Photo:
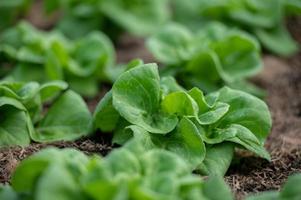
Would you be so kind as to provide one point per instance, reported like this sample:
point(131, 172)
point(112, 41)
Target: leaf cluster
point(212, 57)
point(203, 130)
point(265, 19)
point(123, 174)
point(33, 55)
point(23, 118)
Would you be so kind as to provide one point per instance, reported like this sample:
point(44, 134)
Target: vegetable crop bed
point(145, 121)
point(248, 174)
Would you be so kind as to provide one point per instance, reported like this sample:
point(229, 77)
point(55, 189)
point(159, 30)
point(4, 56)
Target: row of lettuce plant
point(126, 173)
point(214, 57)
point(130, 172)
point(264, 19)
point(202, 129)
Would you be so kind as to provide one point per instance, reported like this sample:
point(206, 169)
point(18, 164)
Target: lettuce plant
point(138, 17)
point(22, 118)
point(265, 19)
point(42, 56)
point(204, 130)
point(209, 59)
point(123, 174)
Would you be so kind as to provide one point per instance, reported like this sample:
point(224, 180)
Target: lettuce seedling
point(201, 129)
point(42, 56)
point(21, 105)
point(123, 174)
point(138, 17)
point(264, 19)
point(209, 59)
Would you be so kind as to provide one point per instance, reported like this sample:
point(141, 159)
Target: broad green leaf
point(257, 13)
point(186, 142)
point(210, 112)
point(200, 99)
point(245, 110)
point(159, 162)
point(180, 103)
point(50, 90)
point(216, 189)
point(15, 123)
point(172, 45)
point(239, 57)
point(67, 119)
point(105, 116)
point(214, 114)
point(277, 40)
point(169, 84)
point(244, 137)
point(218, 159)
point(35, 167)
point(48, 188)
point(123, 163)
point(203, 70)
point(136, 96)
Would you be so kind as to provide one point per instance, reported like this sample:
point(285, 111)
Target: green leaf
point(277, 40)
point(257, 13)
point(15, 123)
point(214, 114)
point(172, 45)
point(239, 56)
point(218, 159)
point(136, 96)
point(243, 136)
point(186, 142)
point(50, 90)
point(180, 103)
point(246, 110)
point(67, 119)
point(49, 188)
point(35, 168)
point(169, 84)
point(105, 116)
point(211, 192)
point(203, 71)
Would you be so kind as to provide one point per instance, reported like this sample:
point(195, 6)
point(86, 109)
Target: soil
point(281, 78)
